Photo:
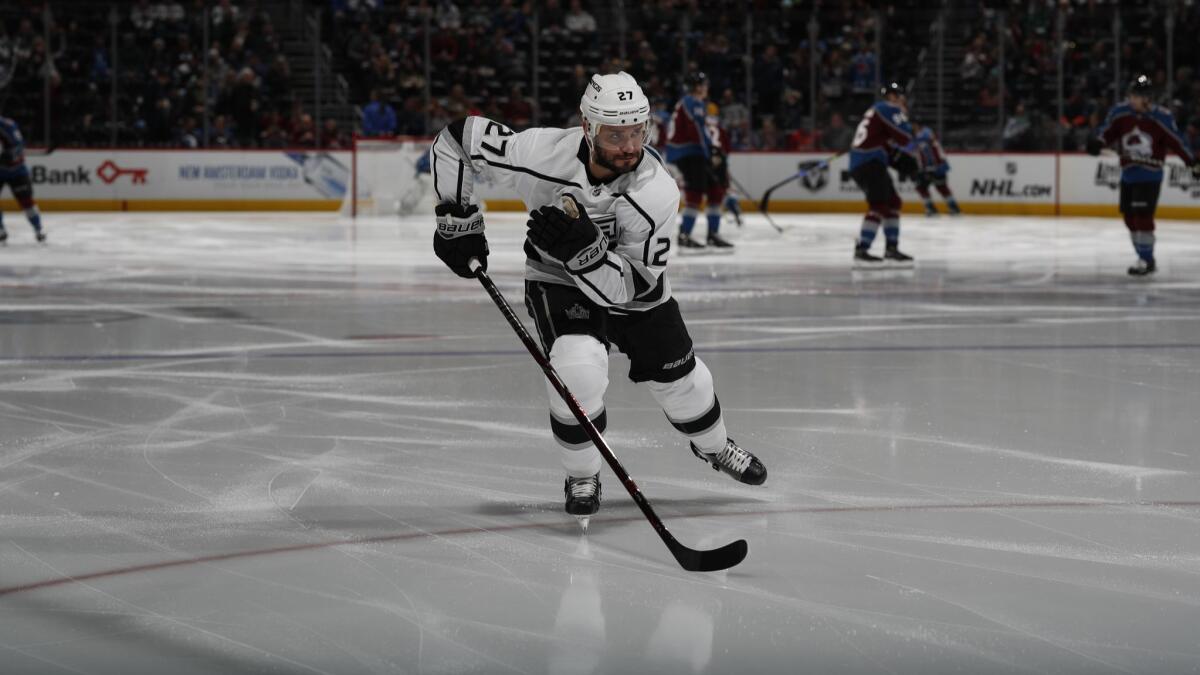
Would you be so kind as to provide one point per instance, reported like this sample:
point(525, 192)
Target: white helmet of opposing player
point(613, 100)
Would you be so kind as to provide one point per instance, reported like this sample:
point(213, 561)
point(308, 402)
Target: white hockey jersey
point(636, 210)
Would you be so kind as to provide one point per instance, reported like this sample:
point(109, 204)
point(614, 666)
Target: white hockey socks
point(582, 363)
point(692, 407)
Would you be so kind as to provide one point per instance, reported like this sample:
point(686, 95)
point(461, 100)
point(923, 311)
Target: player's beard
point(610, 161)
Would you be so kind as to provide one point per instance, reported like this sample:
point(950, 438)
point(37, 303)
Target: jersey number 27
point(498, 131)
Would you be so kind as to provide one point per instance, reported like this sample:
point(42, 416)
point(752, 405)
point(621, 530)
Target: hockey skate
point(735, 461)
point(931, 211)
point(41, 235)
point(894, 258)
point(3, 237)
point(716, 243)
point(864, 260)
point(1143, 268)
point(583, 497)
point(687, 243)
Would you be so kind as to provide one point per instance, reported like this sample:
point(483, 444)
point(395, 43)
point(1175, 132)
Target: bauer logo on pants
point(578, 312)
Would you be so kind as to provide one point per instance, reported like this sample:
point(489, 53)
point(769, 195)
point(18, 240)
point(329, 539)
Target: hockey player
point(15, 174)
point(719, 137)
point(594, 280)
point(690, 148)
point(1142, 133)
point(878, 142)
point(934, 168)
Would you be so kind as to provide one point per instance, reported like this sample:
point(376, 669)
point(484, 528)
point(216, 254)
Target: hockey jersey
point(635, 210)
point(929, 152)
point(1143, 140)
point(685, 134)
point(883, 126)
point(12, 145)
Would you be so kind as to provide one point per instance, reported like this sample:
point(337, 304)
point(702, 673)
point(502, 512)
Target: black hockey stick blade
point(709, 561)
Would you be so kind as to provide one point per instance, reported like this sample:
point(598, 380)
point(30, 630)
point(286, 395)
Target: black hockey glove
point(567, 235)
point(906, 166)
point(460, 237)
point(1094, 146)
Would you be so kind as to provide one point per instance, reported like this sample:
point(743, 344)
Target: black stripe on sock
point(702, 423)
point(573, 434)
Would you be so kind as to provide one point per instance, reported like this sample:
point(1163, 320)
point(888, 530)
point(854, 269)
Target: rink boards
point(304, 180)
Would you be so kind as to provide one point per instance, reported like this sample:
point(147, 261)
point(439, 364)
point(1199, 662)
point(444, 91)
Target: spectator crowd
point(783, 75)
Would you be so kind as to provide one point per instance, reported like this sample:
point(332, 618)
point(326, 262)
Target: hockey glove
point(460, 237)
point(1094, 146)
point(569, 236)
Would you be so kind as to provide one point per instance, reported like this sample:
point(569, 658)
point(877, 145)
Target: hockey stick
point(770, 220)
point(690, 559)
point(805, 169)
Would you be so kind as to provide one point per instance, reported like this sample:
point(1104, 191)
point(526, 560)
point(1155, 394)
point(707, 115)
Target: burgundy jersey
point(882, 127)
point(1143, 140)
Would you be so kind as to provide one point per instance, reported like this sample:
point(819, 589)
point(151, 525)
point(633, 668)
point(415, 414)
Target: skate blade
point(861, 266)
point(583, 522)
point(896, 265)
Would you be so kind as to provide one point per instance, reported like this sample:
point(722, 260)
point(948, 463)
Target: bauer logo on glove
point(567, 234)
point(460, 223)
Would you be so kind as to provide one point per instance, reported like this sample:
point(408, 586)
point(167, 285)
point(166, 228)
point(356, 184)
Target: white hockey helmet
point(614, 100)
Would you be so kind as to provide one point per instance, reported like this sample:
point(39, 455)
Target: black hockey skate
point(686, 242)
point(583, 495)
point(41, 236)
point(1143, 268)
point(735, 461)
point(931, 211)
point(3, 237)
point(892, 255)
point(863, 259)
point(716, 242)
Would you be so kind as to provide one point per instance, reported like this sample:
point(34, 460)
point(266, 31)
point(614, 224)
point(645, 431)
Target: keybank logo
point(109, 172)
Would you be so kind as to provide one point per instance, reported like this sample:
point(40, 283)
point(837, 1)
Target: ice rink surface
point(293, 444)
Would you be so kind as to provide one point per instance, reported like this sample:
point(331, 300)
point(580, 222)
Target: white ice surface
point(297, 444)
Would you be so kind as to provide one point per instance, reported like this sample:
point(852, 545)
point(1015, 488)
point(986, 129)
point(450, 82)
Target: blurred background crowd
point(1036, 75)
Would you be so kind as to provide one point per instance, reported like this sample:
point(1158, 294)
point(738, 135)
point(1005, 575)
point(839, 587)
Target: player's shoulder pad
point(893, 113)
point(653, 192)
point(1162, 114)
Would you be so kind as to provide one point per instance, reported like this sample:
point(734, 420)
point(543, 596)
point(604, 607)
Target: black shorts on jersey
point(875, 181)
point(697, 173)
point(656, 340)
point(1140, 199)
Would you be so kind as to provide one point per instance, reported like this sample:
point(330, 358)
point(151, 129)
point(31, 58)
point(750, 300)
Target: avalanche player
point(594, 280)
point(934, 168)
point(878, 142)
point(15, 174)
point(1142, 133)
point(719, 137)
point(690, 148)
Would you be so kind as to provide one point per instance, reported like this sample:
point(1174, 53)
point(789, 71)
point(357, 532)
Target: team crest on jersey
point(1137, 144)
point(577, 312)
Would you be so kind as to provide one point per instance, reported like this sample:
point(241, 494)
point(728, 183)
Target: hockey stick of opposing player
point(805, 169)
point(770, 220)
point(690, 559)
